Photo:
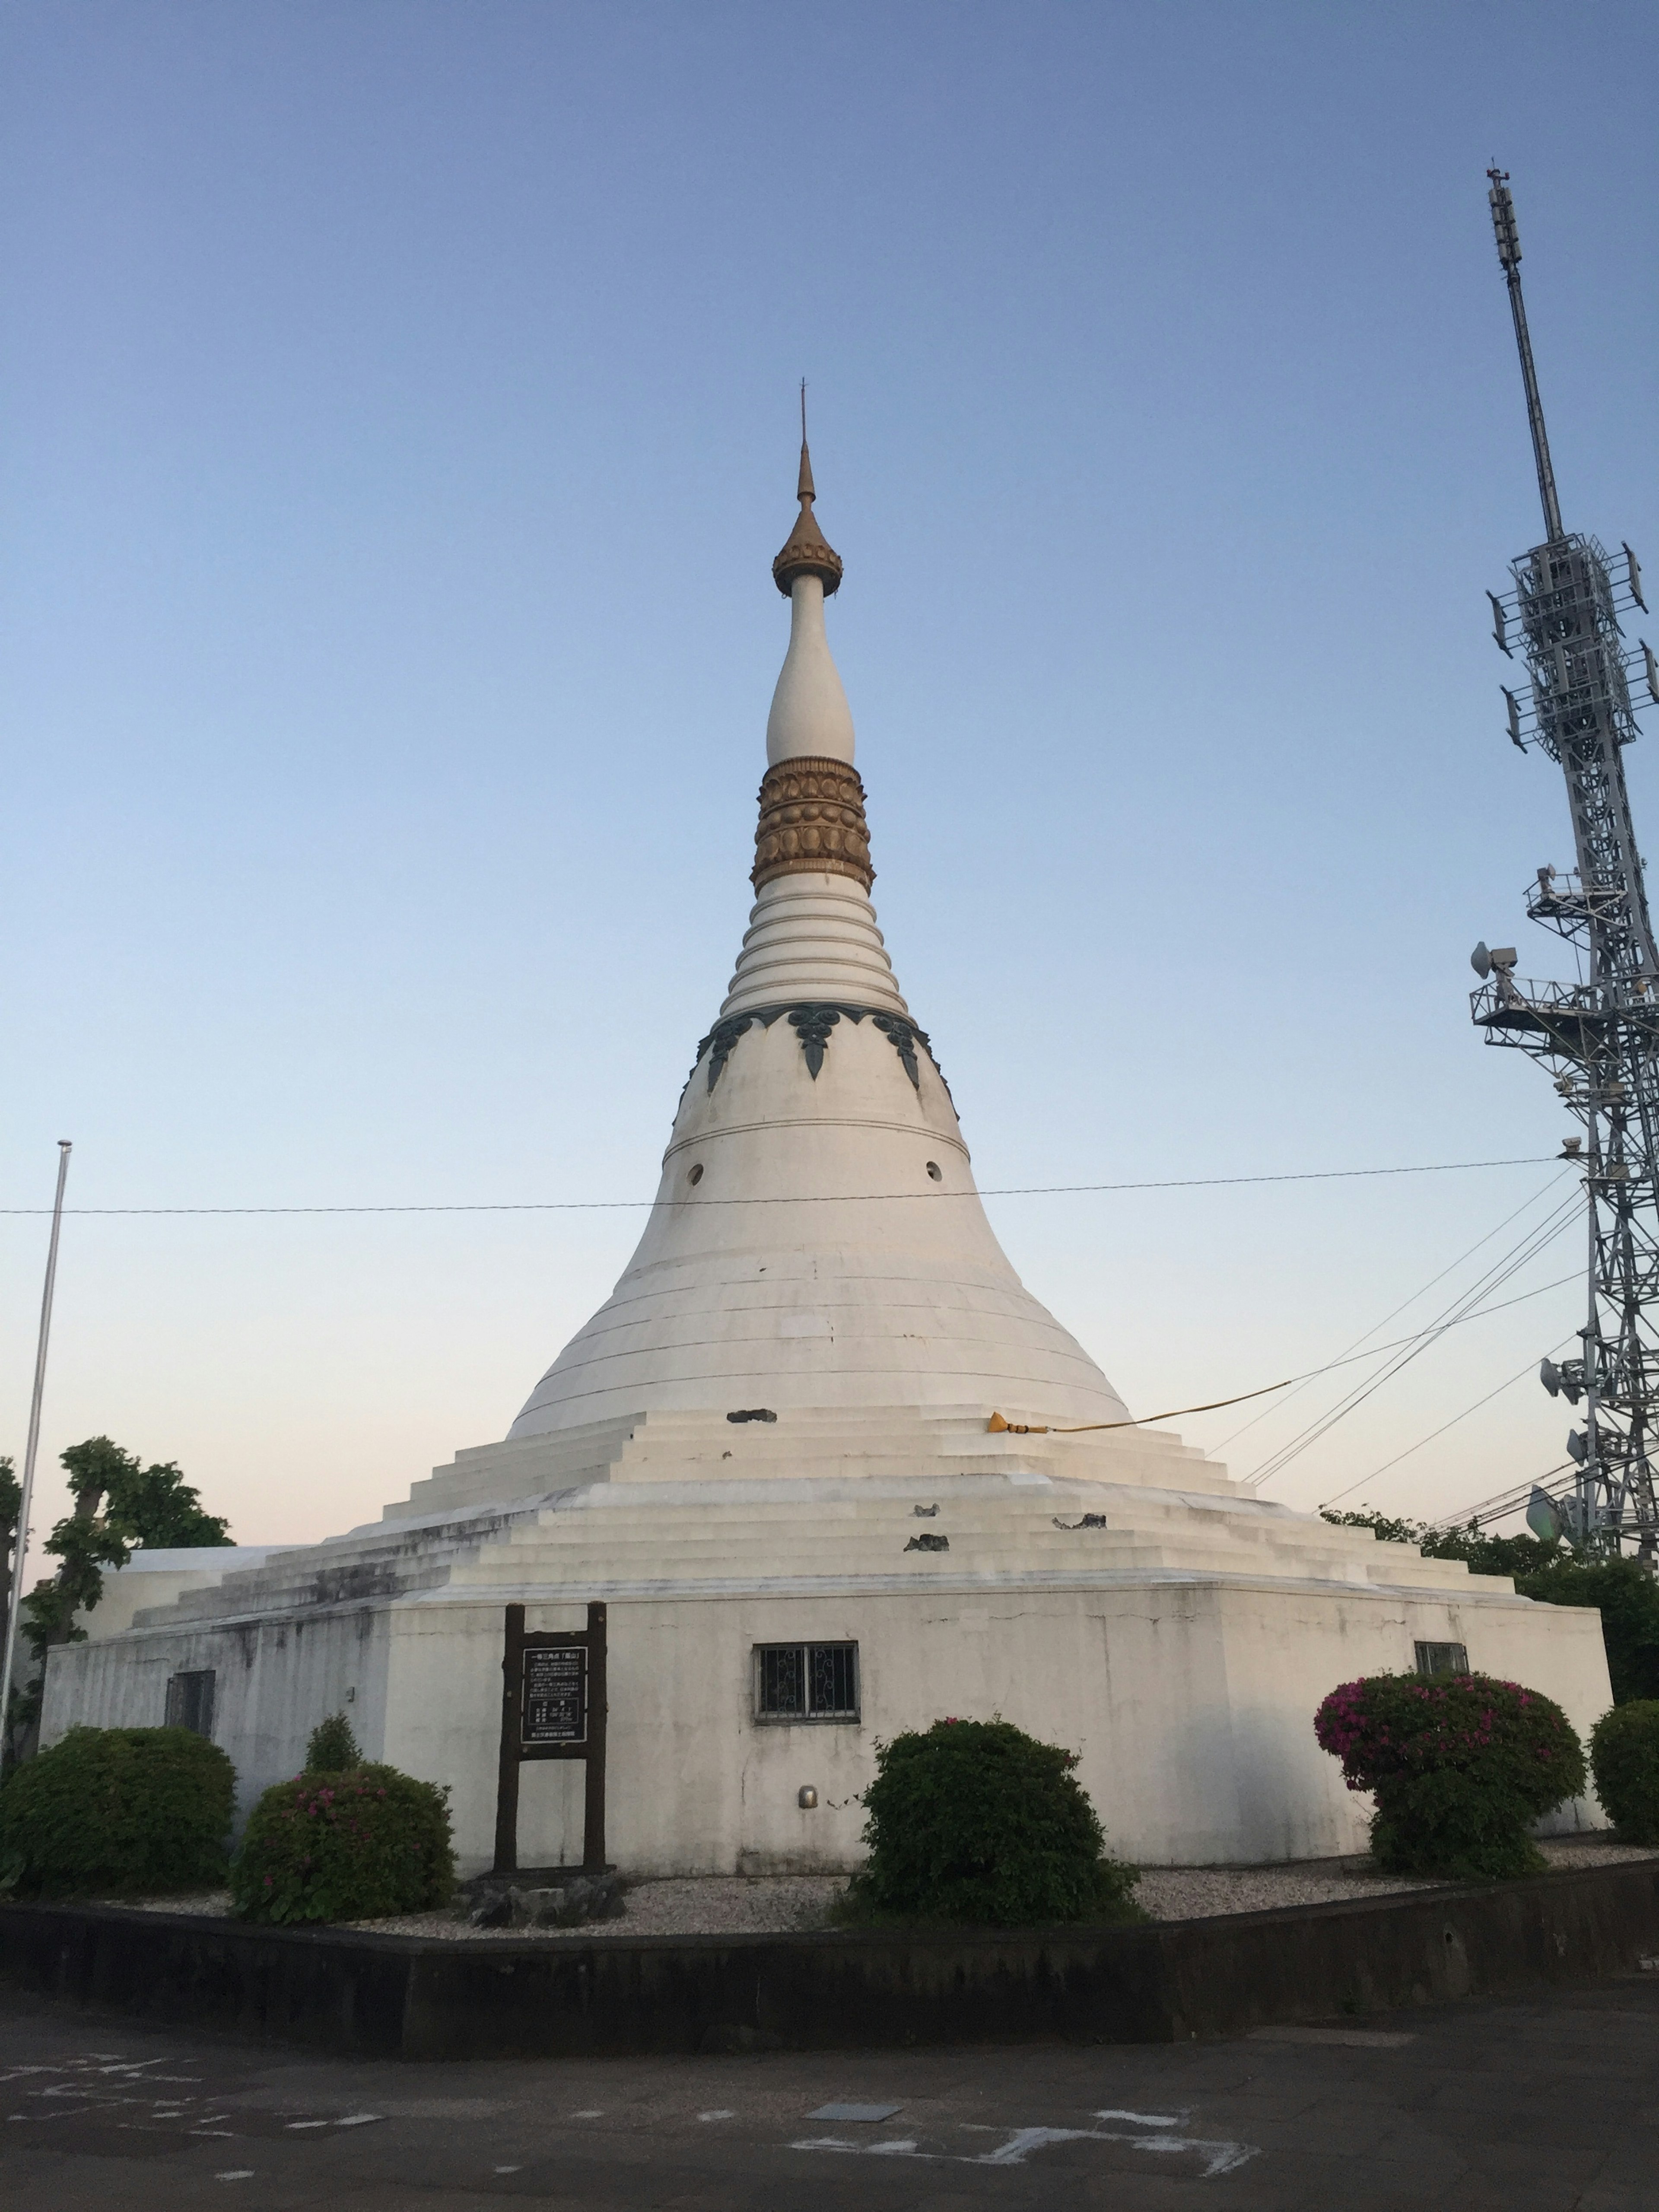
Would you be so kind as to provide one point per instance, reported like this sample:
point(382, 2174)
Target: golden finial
point(808, 552)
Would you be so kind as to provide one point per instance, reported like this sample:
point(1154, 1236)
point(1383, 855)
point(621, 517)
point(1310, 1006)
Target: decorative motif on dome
point(812, 1020)
point(812, 1025)
point(812, 821)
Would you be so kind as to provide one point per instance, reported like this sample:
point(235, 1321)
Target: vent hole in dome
point(696, 1175)
point(934, 1170)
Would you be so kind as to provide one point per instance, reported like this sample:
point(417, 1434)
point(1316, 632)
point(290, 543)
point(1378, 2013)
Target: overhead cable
point(1422, 1292)
point(826, 1198)
point(1511, 1501)
point(1531, 1368)
point(1502, 1271)
point(998, 1426)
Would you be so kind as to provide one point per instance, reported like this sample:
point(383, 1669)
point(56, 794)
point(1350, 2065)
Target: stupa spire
point(810, 718)
point(807, 551)
point(788, 1265)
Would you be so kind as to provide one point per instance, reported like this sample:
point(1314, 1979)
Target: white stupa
point(779, 1452)
point(817, 1237)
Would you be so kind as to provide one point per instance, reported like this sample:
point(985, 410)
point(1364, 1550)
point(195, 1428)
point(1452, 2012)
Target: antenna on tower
point(1509, 256)
point(1599, 1037)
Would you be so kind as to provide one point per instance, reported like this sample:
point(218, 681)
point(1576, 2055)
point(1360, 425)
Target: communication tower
point(1599, 1037)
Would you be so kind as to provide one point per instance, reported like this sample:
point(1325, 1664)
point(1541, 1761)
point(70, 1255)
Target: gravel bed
point(723, 1904)
point(1199, 1893)
point(700, 1905)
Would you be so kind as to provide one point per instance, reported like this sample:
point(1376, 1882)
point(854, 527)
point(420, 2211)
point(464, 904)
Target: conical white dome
point(817, 1239)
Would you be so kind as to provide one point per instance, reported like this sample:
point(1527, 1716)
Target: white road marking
point(356, 2119)
point(717, 2116)
point(295, 2125)
point(506, 2169)
point(1219, 2155)
point(588, 2116)
point(236, 2173)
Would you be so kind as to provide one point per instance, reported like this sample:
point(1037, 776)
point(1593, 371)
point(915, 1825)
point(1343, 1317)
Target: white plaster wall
point(1191, 1703)
point(274, 1680)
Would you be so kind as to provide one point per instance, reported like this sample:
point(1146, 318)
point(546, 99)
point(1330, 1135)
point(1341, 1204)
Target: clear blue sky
point(397, 422)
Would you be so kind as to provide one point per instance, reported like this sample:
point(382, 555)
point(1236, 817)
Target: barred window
point(806, 1682)
point(190, 1701)
point(1442, 1659)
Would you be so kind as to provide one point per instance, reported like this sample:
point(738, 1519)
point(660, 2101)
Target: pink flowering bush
point(1460, 1766)
point(355, 1846)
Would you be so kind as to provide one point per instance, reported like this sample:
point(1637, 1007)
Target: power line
point(1462, 1308)
point(1530, 1368)
point(1267, 1389)
point(1422, 1292)
point(835, 1197)
point(1502, 1271)
point(1511, 1501)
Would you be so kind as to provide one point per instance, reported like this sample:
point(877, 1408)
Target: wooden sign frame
point(589, 1749)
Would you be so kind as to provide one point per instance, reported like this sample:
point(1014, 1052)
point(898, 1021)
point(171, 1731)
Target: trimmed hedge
point(357, 1846)
point(1625, 1760)
point(117, 1812)
point(1460, 1766)
point(333, 1747)
point(974, 1821)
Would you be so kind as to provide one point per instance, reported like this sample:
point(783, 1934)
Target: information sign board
point(555, 1694)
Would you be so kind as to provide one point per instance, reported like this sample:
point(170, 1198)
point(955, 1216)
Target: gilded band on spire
point(807, 552)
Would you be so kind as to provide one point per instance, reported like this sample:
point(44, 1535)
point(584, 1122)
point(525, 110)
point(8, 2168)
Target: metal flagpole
point(33, 1445)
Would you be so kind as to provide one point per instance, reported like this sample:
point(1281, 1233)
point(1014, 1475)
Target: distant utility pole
point(1598, 1037)
point(64, 1148)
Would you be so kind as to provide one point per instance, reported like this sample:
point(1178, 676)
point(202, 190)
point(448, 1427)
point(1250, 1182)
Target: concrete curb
point(416, 1997)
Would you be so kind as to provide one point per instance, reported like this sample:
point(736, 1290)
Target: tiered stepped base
point(1113, 1592)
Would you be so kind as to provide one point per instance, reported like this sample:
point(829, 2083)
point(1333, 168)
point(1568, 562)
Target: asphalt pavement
point(1551, 2106)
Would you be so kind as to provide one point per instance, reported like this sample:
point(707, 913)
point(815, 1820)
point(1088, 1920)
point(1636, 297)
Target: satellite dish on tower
point(1480, 960)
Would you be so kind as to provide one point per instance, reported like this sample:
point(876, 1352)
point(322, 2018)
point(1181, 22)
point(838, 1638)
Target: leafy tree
point(118, 1503)
point(155, 1506)
point(1622, 1590)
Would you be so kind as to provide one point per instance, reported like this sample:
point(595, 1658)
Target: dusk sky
point(399, 421)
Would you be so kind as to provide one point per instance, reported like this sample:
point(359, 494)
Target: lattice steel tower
point(1598, 1036)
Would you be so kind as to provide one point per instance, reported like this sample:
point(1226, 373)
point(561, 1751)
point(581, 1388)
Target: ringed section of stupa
point(781, 1454)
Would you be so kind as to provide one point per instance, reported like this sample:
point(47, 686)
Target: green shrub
point(332, 1748)
point(1625, 1760)
point(345, 1846)
point(974, 1821)
point(118, 1812)
point(1460, 1766)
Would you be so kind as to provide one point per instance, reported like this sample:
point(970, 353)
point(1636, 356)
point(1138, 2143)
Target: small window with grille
point(1442, 1659)
point(190, 1701)
point(806, 1682)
